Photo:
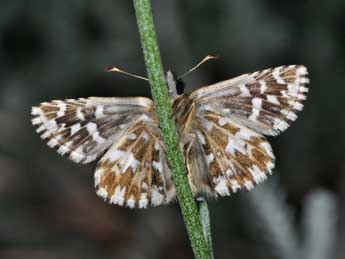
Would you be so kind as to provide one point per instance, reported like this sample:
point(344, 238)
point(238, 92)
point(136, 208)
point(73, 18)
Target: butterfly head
point(175, 85)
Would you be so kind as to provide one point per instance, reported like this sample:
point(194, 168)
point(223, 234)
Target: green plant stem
point(204, 215)
point(162, 103)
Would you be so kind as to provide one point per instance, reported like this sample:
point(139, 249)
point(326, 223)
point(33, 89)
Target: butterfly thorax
point(182, 104)
point(183, 110)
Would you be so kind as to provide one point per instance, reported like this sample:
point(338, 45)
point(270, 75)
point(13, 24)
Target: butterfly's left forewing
point(83, 129)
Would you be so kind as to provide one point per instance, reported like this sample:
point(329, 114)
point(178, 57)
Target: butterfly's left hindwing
point(134, 172)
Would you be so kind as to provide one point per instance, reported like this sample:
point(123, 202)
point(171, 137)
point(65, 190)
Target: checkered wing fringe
point(265, 101)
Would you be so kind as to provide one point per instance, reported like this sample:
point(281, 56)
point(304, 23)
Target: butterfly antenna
point(208, 57)
point(118, 70)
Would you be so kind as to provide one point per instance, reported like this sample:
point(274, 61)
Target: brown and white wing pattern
point(221, 128)
point(226, 156)
point(134, 172)
point(223, 132)
point(265, 101)
point(83, 129)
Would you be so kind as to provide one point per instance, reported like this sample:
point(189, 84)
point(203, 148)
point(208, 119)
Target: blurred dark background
point(58, 49)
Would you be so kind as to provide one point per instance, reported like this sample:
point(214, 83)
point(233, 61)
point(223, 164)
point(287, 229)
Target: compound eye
point(179, 87)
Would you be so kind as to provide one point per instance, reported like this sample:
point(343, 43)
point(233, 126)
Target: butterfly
point(222, 129)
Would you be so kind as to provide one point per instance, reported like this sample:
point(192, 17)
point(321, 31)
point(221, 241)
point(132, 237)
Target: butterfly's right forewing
point(266, 101)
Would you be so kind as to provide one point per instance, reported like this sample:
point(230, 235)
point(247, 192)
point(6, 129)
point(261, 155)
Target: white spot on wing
point(207, 124)
point(115, 155)
point(96, 137)
point(222, 121)
point(257, 102)
point(255, 114)
point(280, 124)
point(102, 192)
point(52, 143)
point(263, 86)
point(145, 136)
point(63, 150)
point(209, 158)
point(273, 99)
point(298, 106)
point(258, 175)
point(144, 117)
point(99, 113)
point(40, 129)
point(156, 197)
point(91, 127)
point(62, 108)
point(267, 147)
point(80, 115)
point(45, 135)
point(75, 128)
point(118, 196)
point(248, 184)
point(131, 202)
point(36, 120)
point(143, 200)
point(302, 70)
point(201, 137)
point(77, 155)
point(132, 136)
point(235, 145)
point(50, 125)
point(304, 80)
point(158, 166)
point(98, 175)
point(244, 90)
point(276, 76)
point(245, 133)
point(130, 161)
point(157, 146)
point(35, 111)
point(303, 89)
point(221, 187)
point(234, 185)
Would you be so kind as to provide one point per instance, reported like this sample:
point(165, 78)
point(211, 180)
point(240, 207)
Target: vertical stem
point(162, 102)
point(204, 215)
